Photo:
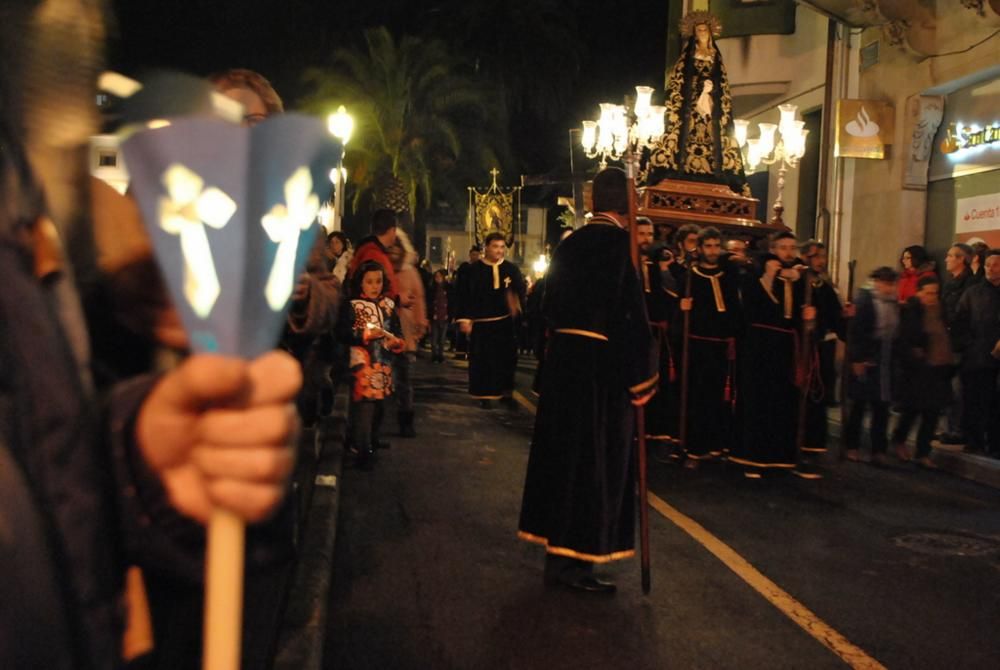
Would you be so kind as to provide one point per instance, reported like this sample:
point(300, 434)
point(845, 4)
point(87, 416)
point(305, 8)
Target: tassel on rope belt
point(728, 393)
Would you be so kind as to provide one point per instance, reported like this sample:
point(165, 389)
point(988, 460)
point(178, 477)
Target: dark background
point(614, 47)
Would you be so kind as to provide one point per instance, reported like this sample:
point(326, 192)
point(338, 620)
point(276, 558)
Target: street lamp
point(540, 265)
point(783, 143)
point(612, 137)
point(341, 125)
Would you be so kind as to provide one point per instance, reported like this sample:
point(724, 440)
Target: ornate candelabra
point(620, 132)
point(783, 143)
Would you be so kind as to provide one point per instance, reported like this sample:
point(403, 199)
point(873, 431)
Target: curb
point(979, 469)
point(303, 627)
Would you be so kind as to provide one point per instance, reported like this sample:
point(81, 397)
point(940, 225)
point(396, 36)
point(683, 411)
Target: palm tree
point(417, 115)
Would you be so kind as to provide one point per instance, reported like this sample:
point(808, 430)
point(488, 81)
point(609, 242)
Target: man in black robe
point(491, 297)
point(601, 360)
point(774, 308)
point(716, 321)
point(661, 303)
point(830, 326)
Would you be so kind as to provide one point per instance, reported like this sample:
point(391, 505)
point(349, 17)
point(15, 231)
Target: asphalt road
point(868, 567)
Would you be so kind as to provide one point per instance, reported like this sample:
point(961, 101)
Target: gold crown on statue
point(693, 19)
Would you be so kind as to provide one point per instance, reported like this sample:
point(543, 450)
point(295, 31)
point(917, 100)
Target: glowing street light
point(540, 265)
point(341, 125)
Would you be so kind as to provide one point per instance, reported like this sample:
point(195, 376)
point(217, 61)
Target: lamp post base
point(776, 220)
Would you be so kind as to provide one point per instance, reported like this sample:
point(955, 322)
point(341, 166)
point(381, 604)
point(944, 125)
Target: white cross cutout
point(283, 224)
point(185, 212)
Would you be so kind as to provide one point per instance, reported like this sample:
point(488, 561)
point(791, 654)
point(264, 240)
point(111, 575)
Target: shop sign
point(864, 128)
point(978, 218)
point(961, 137)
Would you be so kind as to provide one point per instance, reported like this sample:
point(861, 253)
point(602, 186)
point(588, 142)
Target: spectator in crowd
point(412, 310)
point(375, 247)
point(872, 332)
point(309, 331)
point(978, 262)
point(925, 369)
point(339, 253)
point(460, 286)
point(958, 278)
point(438, 307)
point(250, 89)
point(915, 263)
point(316, 300)
point(371, 328)
point(977, 329)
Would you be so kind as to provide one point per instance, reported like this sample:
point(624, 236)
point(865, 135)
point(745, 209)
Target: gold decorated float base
point(676, 203)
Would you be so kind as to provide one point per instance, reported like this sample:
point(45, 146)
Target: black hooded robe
point(579, 488)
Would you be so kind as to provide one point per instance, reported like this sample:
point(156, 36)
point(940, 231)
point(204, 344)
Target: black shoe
point(366, 459)
point(586, 584)
point(406, 428)
point(379, 444)
point(486, 404)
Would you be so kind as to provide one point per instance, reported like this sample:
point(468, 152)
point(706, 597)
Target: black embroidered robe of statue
point(491, 296)
point(716, 322)
point(579, 488)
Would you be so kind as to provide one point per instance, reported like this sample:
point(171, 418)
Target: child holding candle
point(371, 329)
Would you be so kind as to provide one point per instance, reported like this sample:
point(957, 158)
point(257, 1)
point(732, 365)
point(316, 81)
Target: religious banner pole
point(640, 411)
point(685, 338)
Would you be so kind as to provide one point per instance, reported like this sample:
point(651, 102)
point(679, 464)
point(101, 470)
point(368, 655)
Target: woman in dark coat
point(925, 368)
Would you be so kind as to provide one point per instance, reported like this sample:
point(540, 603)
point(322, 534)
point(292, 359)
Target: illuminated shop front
point(963, 195)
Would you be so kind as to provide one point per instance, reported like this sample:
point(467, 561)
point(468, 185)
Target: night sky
point(281, 39)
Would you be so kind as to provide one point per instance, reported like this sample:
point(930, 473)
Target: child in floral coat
point(371, 329)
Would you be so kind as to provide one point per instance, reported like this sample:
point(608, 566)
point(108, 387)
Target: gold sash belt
point(582, 333)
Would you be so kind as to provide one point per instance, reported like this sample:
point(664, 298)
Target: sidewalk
point(949, 458)
point(300, 641)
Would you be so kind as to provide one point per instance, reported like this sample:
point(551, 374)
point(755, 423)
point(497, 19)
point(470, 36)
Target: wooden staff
point(845, 366)
point(685, 339)
point(640, 411)
point(804, 363)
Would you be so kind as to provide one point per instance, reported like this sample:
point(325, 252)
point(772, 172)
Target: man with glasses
point(958, 277)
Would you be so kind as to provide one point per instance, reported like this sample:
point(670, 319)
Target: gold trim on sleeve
point(582, 333)
point(646, 385)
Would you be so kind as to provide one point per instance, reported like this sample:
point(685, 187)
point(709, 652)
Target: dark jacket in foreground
point(579, 489)
point(976, 327)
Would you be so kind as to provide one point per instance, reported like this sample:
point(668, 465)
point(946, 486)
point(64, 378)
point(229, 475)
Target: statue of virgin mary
point(699, 143)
